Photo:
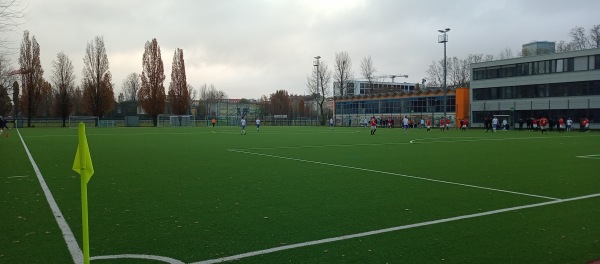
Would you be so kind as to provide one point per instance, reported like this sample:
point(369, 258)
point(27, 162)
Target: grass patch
point(195, 194)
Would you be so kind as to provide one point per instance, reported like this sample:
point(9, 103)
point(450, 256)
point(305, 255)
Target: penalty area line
point(391, 229)
point(595, 156)
point(395, 174)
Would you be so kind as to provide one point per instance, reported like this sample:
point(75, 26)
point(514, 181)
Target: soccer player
point(331, 123)
point(373, 125)
point(2, 125)
point(428, 124)
point(257, 124)
point(243, 126)
point(561, 125)
point(442, 121)
point(494, 124)
point(569, 124)
point(543, 124)
point(214, 121)
point(585, 123)
point(405, 123)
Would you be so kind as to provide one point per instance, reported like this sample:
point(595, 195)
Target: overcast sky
point(250, 48)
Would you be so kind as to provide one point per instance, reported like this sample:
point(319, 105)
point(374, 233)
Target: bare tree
point(31, 76)
point(506, 53)
point(318, 85)
point(12, 13)
point(563, 46)
point(595, 36)
point(178, 90)
point(578, 38)
point(7, 77)
point(131, 86)
point(454, 72)
point(98, 97)
point(435, 73)
point(211, 96)
point(211, 93)
point(343, 71)
point(192, 95)
point(46, 104)
point(459, 71)
point(64, 86)
point(152, 93)
point(15, 88)
point(367, 70)
point(5, 103)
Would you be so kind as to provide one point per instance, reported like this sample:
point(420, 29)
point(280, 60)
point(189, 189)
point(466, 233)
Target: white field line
point(139, 256)
point(596, 156)
point(418, 140)
point(391, 173)
point(391, 229)
point(72, 245)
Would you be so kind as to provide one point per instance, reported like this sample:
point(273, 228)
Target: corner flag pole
point(83, 165)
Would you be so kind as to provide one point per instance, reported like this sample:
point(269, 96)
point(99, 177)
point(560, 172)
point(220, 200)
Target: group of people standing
point(542, 124)
point(561, 125)
point(424, 123)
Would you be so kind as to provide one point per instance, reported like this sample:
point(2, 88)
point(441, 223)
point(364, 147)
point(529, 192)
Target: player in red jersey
point(543, 124)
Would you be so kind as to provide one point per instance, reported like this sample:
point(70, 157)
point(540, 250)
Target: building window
point(542, 67)
point(559, 65)
point(581, 64)
point(570, 64)
point(591, 62)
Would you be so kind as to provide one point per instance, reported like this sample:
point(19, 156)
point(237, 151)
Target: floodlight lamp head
point(441, 31)
point(447, 29)
point(318, 57)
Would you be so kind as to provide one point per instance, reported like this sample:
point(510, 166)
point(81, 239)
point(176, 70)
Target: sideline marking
point(391, 173)
point(387, 230)
point(596, 156)
point(76, 253)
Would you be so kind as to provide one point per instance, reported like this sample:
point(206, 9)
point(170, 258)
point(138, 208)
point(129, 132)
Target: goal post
point(175, 121)
point(89, 121)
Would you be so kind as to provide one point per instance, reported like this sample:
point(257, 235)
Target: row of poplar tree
point(95, 95)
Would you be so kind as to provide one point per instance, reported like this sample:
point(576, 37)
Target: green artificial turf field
point(303, 195)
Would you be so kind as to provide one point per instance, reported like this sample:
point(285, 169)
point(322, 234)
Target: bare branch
point(343, 72)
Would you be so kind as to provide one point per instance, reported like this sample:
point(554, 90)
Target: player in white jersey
point(243, 126)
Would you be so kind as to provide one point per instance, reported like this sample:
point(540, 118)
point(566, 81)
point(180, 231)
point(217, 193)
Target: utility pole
point(444, 39)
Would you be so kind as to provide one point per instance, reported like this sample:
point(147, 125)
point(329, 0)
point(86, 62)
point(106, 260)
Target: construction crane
point(393, 76)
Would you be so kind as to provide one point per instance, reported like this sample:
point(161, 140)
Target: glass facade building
point(550, 85)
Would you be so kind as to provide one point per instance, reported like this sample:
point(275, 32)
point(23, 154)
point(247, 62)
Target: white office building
point(550, 85)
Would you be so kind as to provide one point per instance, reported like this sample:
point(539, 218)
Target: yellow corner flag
point(83, 160)
point(83, 166)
